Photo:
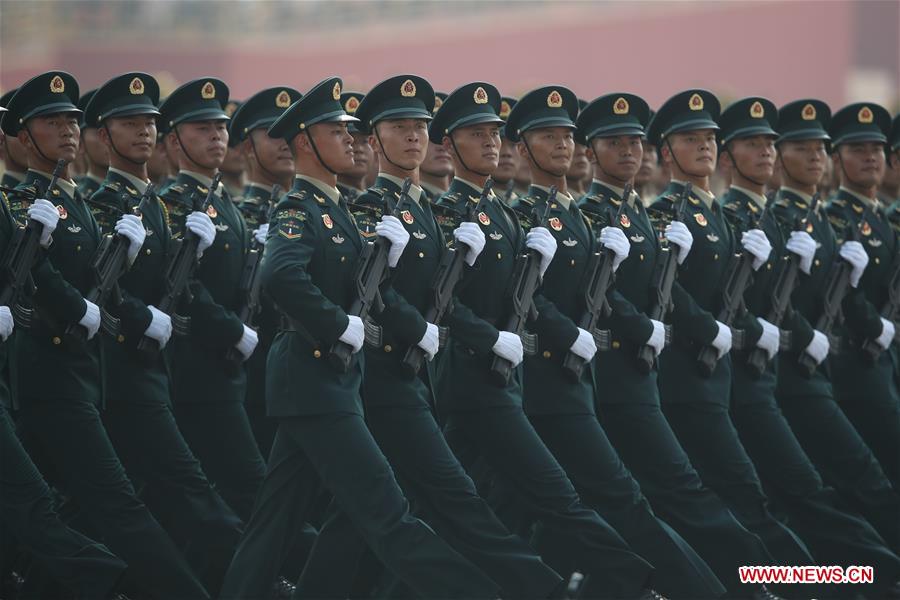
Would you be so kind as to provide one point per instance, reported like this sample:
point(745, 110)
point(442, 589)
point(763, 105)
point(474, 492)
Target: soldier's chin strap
point(137, 163)
point(186, 153)
point(738, 169)
point(535, 160)
point(312, 143)
point(36, 146)
point(844, 171)
point(461, 161)
point(272, 176)
point(384, 150)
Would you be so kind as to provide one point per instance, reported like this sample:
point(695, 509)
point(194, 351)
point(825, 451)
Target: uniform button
point(227, 246)
point(78, 248)
point(148, 252)
point(877, 260)
point(546, 354)
point(56, 341)
point(343, 258)
point(421, 255)
point(573, 262)
point(716, 257)
point(388, 348)
point(616, 345)
point(499, 256)
point(120, 338)
point(818, 262)
point(317, 354)
point(769, 266)
point(641, 257)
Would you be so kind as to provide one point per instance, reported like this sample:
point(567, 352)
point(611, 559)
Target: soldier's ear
point(24, 138)
point(589, 152)
point(523, 151)
point(448, 146)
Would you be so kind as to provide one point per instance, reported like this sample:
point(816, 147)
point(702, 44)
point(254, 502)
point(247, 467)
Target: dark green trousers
point(337, 451)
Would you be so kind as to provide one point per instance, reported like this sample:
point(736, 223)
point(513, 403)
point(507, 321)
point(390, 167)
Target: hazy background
point(838, 50)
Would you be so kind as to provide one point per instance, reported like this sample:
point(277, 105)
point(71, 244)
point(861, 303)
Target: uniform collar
point(432, 189)
point(564, 198)
point(139, 184)
point(65, 185)
point(475, 187)
point(617, 191)
point(332, 192)
point(204, 180)
point(707, 197)
point(866, 201)
point(759, 199)
point(802, 195)
point(415, 192)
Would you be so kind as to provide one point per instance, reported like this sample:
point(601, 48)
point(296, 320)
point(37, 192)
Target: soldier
point(322, 440)
point(562, 410)
point(864, 384)
point(508, 165)
point(579, 175)
point(807, 401)
point(60, 414)
point(139, 416)
point(696, 404)
point(833, 535)
point(12, 153)
point(96, 159)
point(890, 185)
point(158, 165)
point(353, 182)
point(485, 420)
point(234, 165)
point(208, 399)
point(437, 169)
point(627, 399)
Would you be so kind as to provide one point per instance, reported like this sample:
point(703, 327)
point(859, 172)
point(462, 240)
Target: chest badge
point(570, 242)
point(874, 242)
point(326, 220)
point(625, 221)
point(809, 227)
point(495, 235)
point(637, 239)
point(337, 239)
point(73, 228)
point(865, 229)
point(63, 213)
point(712, 237)
point(221, 227)
point(555, 223)
point(484, 219)
point(211, 212)
point(419, 235)
point(701, 220)
point(407, 217)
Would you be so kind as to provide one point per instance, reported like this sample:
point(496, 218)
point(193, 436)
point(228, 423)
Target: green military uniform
point(60, 413)
point(563, 412)
point(697, 406)
point(209, 400)
point(139, 415)
point(488, 422)
point(833, 535)
point(87, 183)
point(259, 112)
point(628, 403)
point(868, 391)
point(309, 266)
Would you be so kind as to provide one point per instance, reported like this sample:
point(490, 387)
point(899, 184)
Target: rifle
point(835, 291)
point(890, 312)
point(109, 264)
point(784, 287)
point(449, 273)
point(250, 284)
point(526, 279)
point(663, 279)
point(178, 273)
point(371, 272)
point(20, 257)
point(599, 278)
point(739, 279)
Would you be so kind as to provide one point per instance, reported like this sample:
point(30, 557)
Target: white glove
point(542, 241)
point(818, 347)
point(202, 226)
point(657, 339)
point(393, 230)
point(160, 327)
point(260, 234)
point(129, 226)
point(802, 244)
point(584, 345)
point(770, 339)
point(45, 213)
point(471, 235)
point(430, 341)
point(756, 243)
point(6, 322)
point(91, 319)
point(355, 334)
point(722, 342)
point(616, 240)
point(509, 346)
point(855, 254)
point(247, 344)
point(884, 340)
point(678, 233)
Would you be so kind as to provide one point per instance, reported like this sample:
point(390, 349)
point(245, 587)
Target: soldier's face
point(363, 155)
point(694, 151)
point(508, 163)
point(403, 140)
point(438, 162)
point(581, 166)
point(649, 164)
point(205, 142)
point(158, 165)
point(13, 153)
point(273, 154)
point(478, 146)
point(93, 147)
point(754, 156)
point(56, 136)
point(551, 147)
point(335, 145)
point(803, 161)
point(892, 170)
point(863, 163)
point(618, 156)
point(134, 137)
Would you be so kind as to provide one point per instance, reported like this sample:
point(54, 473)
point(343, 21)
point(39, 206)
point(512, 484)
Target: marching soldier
point(579, 175)
point(807, 401)
point(353, 182)
point(139, 416)
point(562, 411)
point(437, 169)
point(158, 165)
point(96, 159)
point(508, 165)
point(485, 420)
point(322, 439)
point(697, 404)
point(890, 185)
point(864, 384)
point(628, 403)
point(12, 153)
point(833, 535)
point(208, 398)
point(60, 414)
point(234, 165)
